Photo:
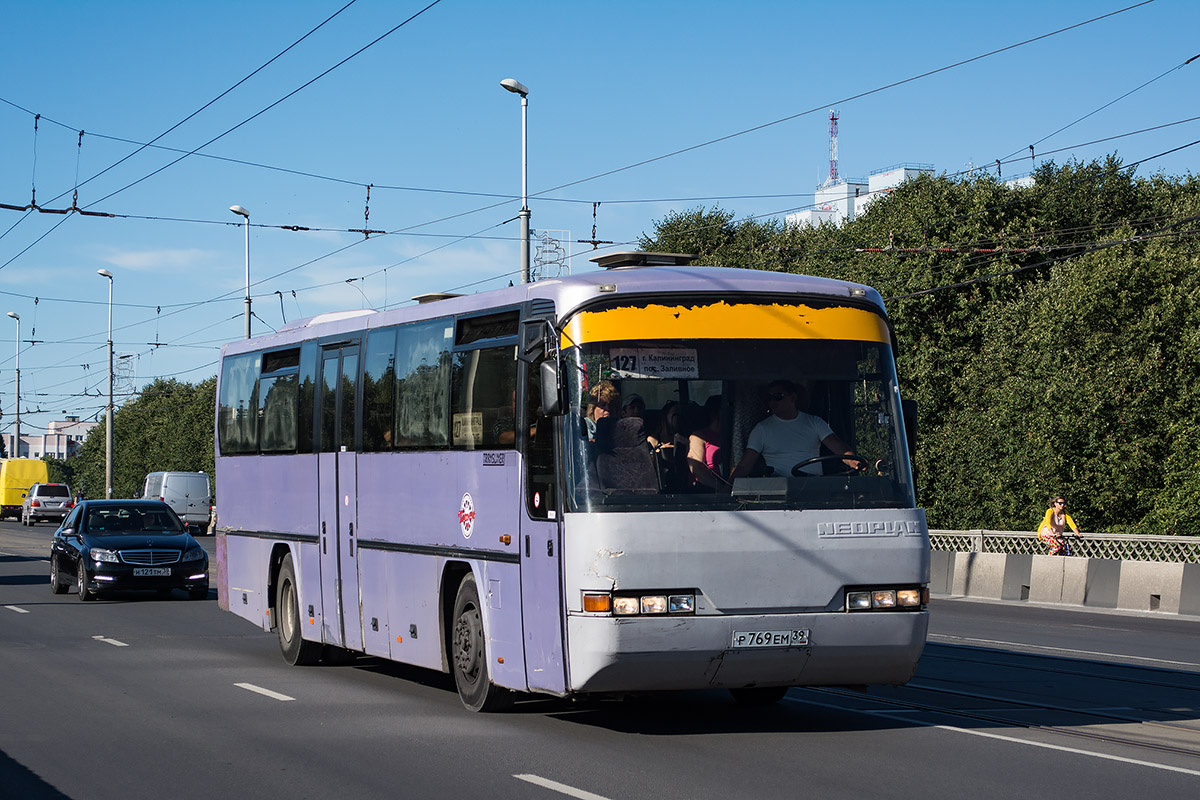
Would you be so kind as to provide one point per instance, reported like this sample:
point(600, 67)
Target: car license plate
point(151, 572)
point(792, 638)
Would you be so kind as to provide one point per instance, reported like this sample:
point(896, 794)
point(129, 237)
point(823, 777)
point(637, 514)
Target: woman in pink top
point(704, 449)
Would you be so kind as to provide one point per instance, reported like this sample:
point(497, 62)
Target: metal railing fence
point(1178, 549)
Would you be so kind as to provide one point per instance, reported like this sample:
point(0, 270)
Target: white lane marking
point(113, 642)
point(1013, 739)
point(562, 788)
point(267, 692)
point(18, 609)
point(944, 637)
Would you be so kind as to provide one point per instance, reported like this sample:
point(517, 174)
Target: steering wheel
point(798, 470)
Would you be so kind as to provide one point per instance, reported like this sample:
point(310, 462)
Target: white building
point(833, 202)
point(884, 181)
point(842, 201)
point(62, 439)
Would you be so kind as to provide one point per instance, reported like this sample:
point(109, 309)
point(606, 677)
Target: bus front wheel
point(296, 651)
point(468, 653)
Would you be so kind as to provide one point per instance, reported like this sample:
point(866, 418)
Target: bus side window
point(237, 421)
point(423, 385)
point(483, 398)
point(540, 480)
point(378, 390)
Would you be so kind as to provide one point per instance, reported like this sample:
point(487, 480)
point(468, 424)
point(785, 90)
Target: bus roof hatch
point(636, 258)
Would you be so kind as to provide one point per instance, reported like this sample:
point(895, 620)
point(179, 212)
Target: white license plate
point(151, 572)
point(792, 638)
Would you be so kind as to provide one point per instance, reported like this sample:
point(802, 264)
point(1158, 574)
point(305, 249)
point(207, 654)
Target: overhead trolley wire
point(287, 96)
point(202, 108)
point(845, 100)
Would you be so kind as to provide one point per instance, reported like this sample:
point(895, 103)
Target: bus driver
point(789, 436)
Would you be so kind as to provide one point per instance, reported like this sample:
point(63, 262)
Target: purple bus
point(566, 487)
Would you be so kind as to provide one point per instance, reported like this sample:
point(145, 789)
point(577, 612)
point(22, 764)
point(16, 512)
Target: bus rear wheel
point(296, 651)
point(468, 654)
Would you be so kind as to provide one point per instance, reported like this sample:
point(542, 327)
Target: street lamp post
point(241, 212)
point(516, 87)
point(16, 453)
point(108, 413)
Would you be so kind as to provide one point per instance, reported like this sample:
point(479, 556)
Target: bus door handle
point(352, 540)
point(550, 547)
point(527, 545)
point(324, 546)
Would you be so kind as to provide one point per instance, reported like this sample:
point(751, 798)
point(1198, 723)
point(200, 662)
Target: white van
point(189, 493)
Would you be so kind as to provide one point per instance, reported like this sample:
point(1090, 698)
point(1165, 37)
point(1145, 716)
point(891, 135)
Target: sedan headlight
point(194, 554)
point(98, 554)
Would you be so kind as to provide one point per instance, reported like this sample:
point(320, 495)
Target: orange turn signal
point(600, 603)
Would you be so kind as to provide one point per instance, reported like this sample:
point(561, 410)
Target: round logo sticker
point(466, 515)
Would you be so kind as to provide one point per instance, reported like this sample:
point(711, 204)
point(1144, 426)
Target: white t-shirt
point(784, 443)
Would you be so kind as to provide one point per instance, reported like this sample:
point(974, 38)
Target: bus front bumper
point(632, 654)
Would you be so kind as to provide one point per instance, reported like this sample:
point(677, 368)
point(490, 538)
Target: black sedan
point(116, 545)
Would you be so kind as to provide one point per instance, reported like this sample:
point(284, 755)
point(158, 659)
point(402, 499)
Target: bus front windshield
point(737, 423)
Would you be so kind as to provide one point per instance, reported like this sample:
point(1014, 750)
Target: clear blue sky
point(612, 84)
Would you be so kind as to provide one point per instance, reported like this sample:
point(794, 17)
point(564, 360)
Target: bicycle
point(1059, 544)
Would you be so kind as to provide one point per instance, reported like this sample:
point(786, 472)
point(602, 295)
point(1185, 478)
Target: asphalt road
point(138, 696)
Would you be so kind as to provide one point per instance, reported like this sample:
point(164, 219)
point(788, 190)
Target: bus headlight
point(650, 604)
point(625, 606)
point(858, 601)
point(654, 604)
point(681, 604)
point(884, 598)
point(908, 598)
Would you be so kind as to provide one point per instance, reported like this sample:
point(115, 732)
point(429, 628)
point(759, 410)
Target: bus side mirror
point(552, 390)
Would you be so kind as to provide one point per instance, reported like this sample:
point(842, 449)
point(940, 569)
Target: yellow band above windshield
point(725, 321)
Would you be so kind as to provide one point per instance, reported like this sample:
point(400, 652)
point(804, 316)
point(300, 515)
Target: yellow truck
point(16, 476)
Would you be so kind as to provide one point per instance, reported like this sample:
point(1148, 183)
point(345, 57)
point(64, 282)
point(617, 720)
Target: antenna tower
point(833, 147)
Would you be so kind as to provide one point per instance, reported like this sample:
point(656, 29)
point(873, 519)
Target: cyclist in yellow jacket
point(1055, 524)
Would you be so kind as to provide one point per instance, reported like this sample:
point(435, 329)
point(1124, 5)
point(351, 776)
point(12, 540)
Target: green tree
point(168, 426)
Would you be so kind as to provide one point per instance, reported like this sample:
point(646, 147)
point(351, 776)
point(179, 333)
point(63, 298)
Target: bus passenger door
point(337, 480)
point(541, 549)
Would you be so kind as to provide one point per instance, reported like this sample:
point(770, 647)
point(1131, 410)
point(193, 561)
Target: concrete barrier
point(1100, 583)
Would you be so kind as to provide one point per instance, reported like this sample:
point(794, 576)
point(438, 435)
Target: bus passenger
point(634, 406)
point(623, 463)
point(790, 436)
point(703, 426)
point(605, 401)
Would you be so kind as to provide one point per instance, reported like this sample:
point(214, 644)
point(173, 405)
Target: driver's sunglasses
point(1060, 502)
point(777, 395)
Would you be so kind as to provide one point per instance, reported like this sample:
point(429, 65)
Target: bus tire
point(759, 696)
point(296, 651)
point(468, 653)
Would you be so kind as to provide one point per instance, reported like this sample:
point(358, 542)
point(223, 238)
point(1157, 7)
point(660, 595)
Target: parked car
point(116, 545)
point(48, 501)
point(188, 493)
